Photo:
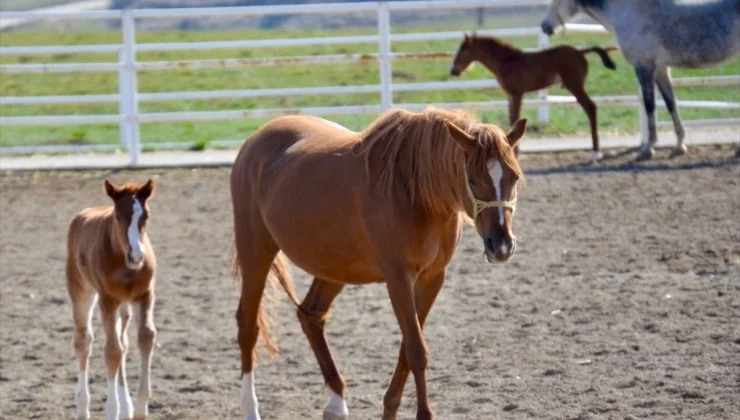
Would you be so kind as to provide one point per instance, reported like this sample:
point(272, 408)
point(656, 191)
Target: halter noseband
point(480, 205)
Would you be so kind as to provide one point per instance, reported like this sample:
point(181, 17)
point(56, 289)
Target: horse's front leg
point(663, 80)
point(646, 78)
point(425, 294)
point(146, 335)
point(400, 283)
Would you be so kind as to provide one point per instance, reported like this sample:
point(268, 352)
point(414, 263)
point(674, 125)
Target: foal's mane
point(491, 43)
point(413, 154)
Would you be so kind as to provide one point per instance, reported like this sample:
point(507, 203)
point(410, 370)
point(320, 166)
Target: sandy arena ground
point(622, 302)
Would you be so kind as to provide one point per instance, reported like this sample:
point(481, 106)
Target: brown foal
point(519, 72)
point(110, 261)
point(383, 205)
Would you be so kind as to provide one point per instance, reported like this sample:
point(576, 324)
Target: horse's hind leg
point(646, 77)
point(146, 335)
point(83, 302)
point(124, 398)
point(663, 80)
point(312, 314)
point(254, 258)
point(424, 296)
point(576, 87)
point(515, 107)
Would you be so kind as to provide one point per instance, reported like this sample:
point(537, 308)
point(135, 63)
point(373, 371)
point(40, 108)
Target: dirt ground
point(622, 302)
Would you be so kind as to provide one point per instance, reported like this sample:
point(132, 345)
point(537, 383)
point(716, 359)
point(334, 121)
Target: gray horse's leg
point(663, 80)
point(646, 77)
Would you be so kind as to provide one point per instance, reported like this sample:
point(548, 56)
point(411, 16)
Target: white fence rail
point(127, 67)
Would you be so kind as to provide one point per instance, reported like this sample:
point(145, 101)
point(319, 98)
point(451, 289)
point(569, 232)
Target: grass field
point(563, 120)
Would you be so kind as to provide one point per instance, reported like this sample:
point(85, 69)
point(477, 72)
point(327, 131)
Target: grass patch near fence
point(564, 120)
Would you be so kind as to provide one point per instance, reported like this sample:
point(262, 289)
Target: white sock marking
point(496, 171)
point(82, 396)
point(336, 405)
point(125, 404)
point(134, 235)
point(111, 401)
point(250, 407)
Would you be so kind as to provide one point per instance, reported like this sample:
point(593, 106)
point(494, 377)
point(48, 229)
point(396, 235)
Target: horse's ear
point(459, 135)
point(467, 38)
point(516, 132)
point(146, 191)
point(111, 189)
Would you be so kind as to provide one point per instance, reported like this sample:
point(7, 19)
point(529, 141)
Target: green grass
point(601, 82)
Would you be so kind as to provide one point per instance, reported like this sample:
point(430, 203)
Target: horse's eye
point(472, 181)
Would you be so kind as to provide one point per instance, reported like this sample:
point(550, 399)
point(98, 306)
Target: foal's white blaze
point(336, 406)
point(134, 235)
point(496, 171)
point(250, 407)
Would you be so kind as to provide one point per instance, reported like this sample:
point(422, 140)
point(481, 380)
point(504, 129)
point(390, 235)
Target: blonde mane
point(415, 154)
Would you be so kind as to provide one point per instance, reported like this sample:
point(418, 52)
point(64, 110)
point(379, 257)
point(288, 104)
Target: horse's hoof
point(595, 157)
point(680, 150)
point(328, 415)
point(646, 154)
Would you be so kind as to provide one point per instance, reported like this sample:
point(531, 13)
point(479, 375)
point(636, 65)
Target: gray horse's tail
point(603, 53)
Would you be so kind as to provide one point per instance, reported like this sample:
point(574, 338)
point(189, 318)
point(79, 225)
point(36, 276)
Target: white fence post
point(384, 55)
point(129, 88)
point(543, 41)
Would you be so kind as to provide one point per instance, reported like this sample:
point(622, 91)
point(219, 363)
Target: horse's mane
point(415, 154)
point(491, 43)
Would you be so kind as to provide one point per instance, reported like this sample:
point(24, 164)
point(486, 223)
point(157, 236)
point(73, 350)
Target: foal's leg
point(515, 106)
point(424, 298)
point(663, 80)
point(83, 302)
point(646, 77)
point(146, 335)
point(254, 263)
point(579, 92)
point(113, 352)
point(124, 398)
point(312, 315)
point(400, 283)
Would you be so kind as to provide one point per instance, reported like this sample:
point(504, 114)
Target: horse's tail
point(603, 53)
point(279, 273)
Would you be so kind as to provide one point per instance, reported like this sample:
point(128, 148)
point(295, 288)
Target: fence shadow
point(664, 165)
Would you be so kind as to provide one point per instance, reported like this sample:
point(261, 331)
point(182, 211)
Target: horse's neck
point(495, 54)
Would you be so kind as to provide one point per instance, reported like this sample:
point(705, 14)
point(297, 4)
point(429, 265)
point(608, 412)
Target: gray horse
point(656, 34)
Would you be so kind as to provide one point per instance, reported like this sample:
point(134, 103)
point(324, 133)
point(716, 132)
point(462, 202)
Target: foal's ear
point(459, 135)
point(516, 132)
point(146, 191)
point(111, 189)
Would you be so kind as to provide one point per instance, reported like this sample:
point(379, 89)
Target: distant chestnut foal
point(110, 261)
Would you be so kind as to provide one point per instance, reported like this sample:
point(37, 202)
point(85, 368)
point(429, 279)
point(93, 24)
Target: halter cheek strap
point(480, 205)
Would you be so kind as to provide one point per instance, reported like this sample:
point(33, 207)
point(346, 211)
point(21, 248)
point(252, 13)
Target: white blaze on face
point(134, 234)
point(496, 171)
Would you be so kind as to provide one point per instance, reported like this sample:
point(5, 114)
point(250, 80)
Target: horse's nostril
point(488, 243)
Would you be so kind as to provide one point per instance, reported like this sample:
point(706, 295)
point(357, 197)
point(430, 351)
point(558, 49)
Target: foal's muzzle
point(134, 260)
point(499, 248)
point(547, 28)
point(454, 71)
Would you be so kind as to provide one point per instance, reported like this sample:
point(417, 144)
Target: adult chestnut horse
point(383, 205)
point(110, 261)
point(519, 72)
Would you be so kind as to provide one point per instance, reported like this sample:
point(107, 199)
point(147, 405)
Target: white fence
point(129, 97)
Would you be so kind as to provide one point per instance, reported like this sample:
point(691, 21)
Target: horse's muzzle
point(454, 71)
point(499, 249)
point(134, 261)
point(547, 28)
